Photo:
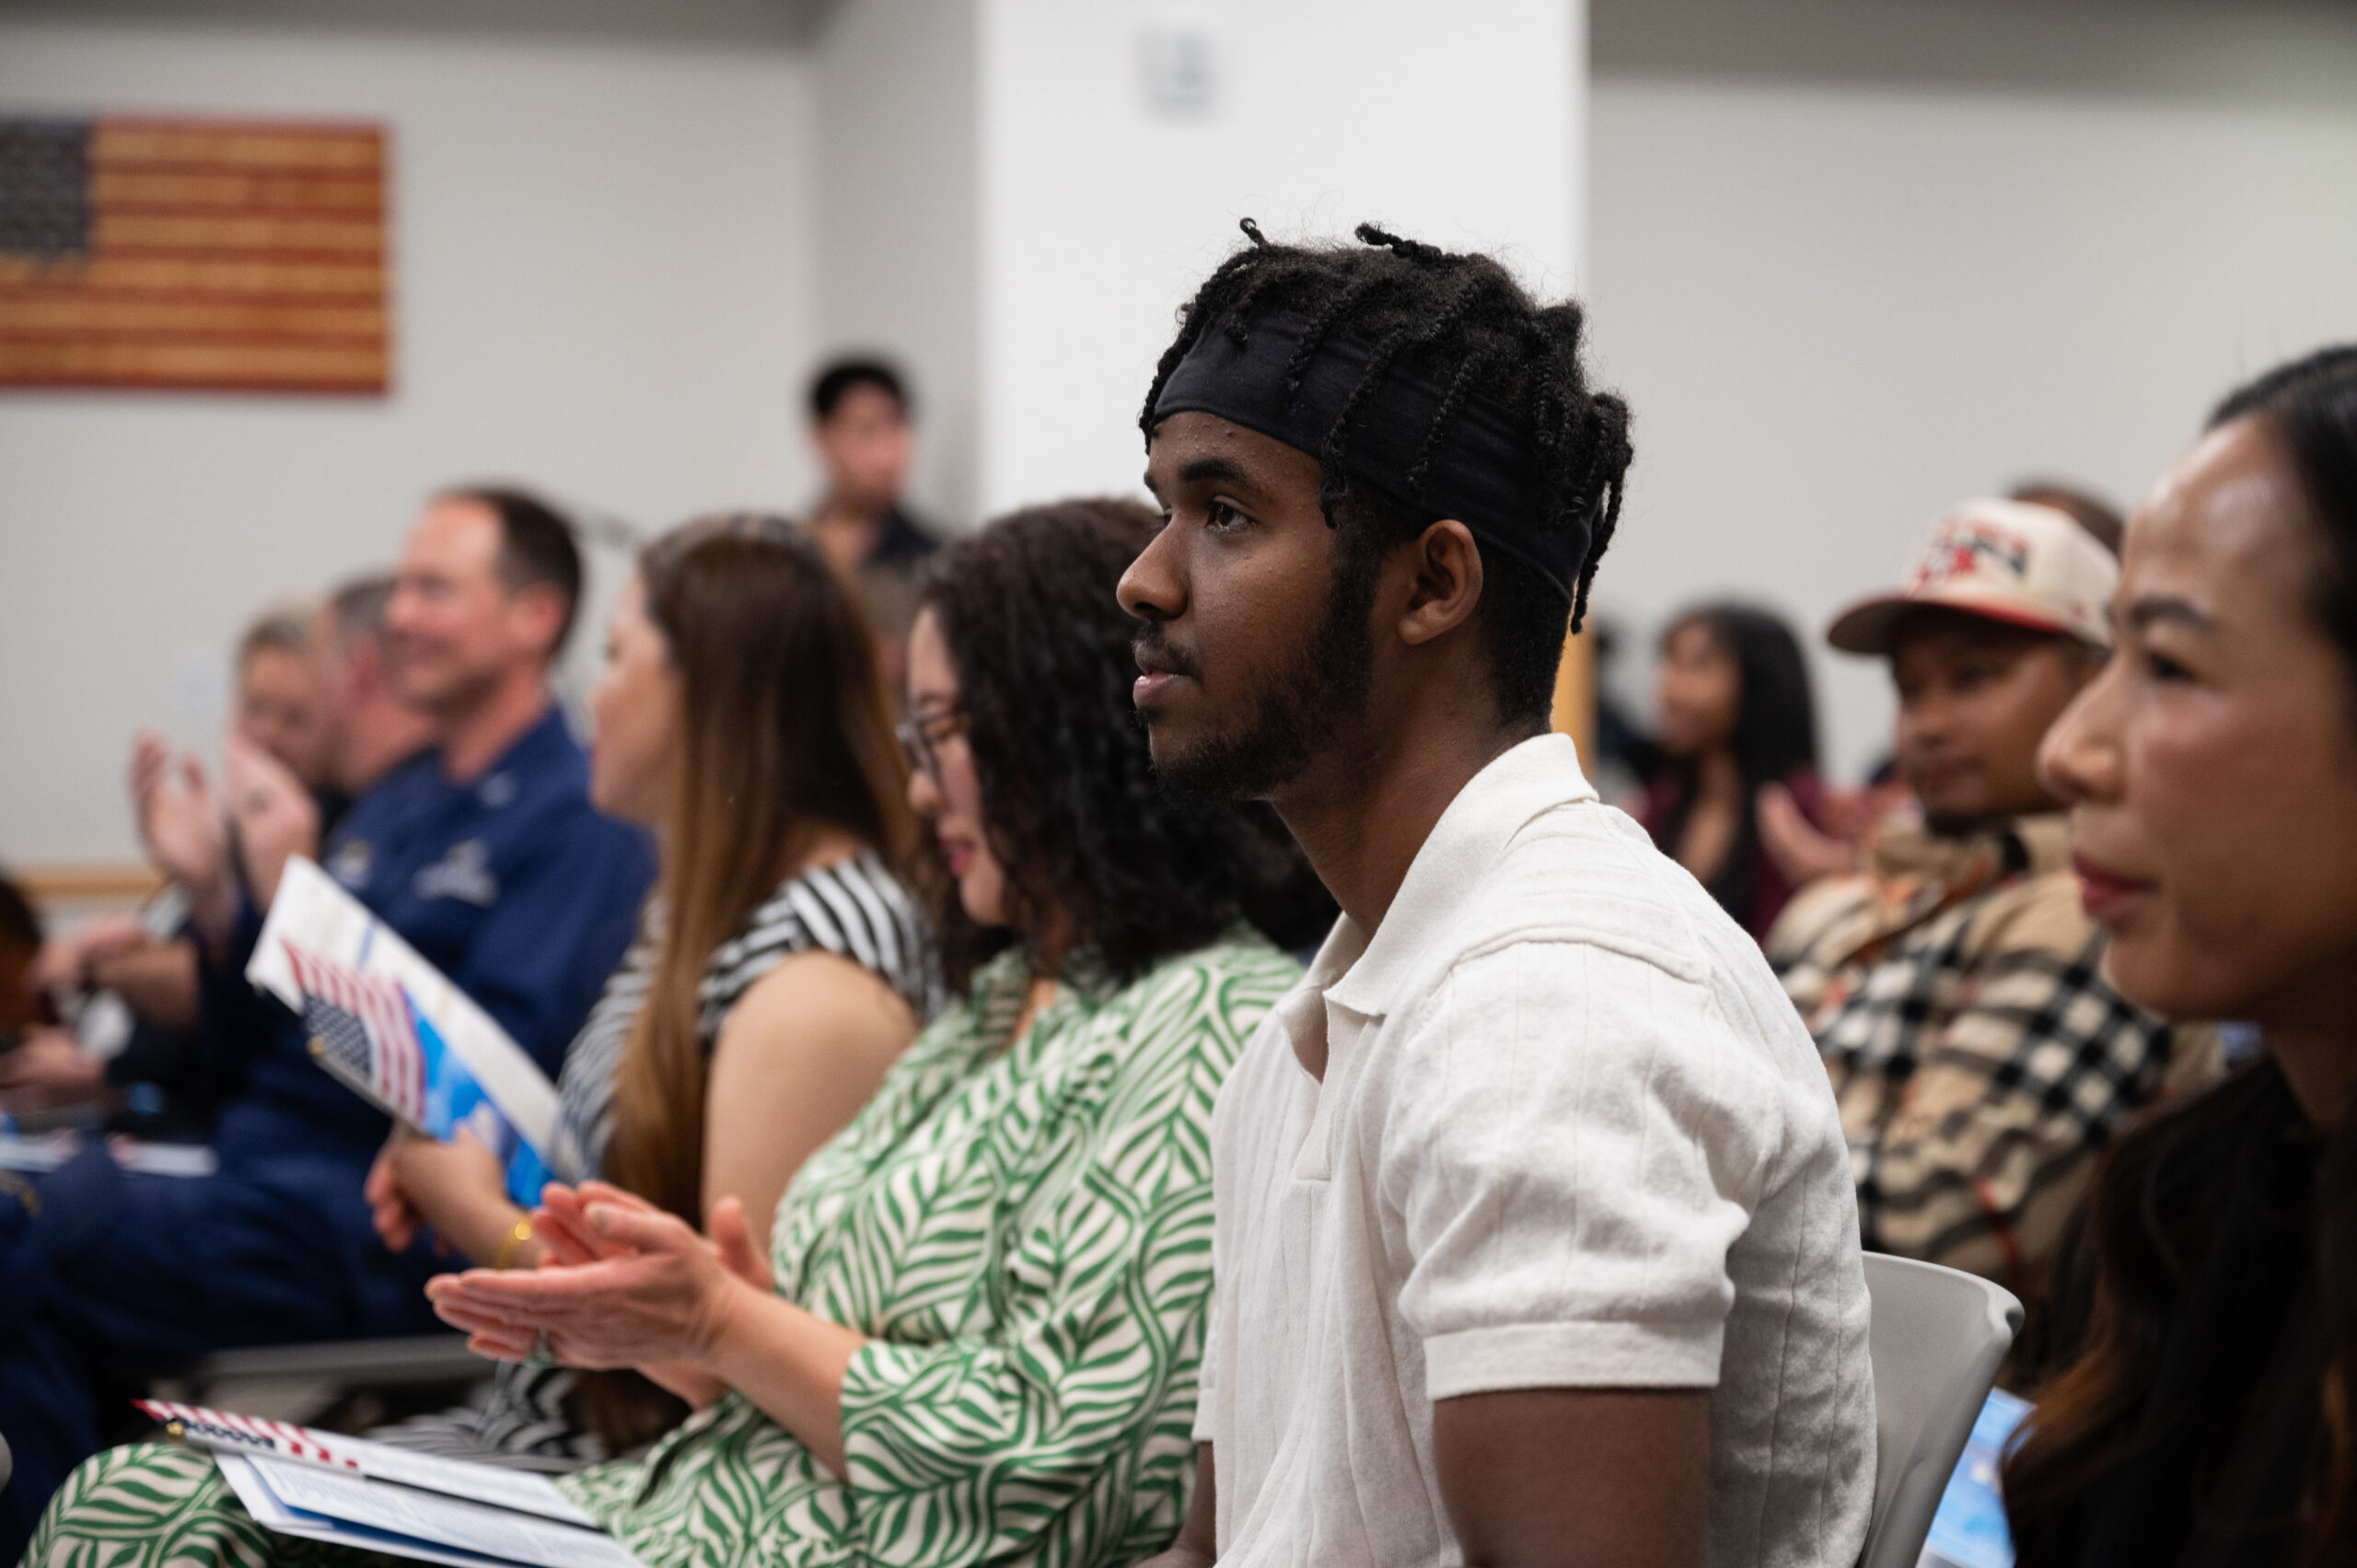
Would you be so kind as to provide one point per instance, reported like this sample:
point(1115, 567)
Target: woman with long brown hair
point(2202, 1413)
point(974, 1333)
point(781, 966)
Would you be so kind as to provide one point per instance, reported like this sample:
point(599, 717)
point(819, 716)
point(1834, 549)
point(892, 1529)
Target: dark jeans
point(120, 1271)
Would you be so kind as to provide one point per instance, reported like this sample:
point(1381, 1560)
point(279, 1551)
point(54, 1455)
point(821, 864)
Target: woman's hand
point(277, 820)
point(562, 1226)
point(567, 1239)
point(389, 1210)
point(458, 1188)
point(49, 1070)
point(626, 1285)
point(185, 834)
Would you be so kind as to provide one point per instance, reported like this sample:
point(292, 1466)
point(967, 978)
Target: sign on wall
point(191, 254)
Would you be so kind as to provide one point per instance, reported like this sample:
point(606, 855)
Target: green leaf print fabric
point(1024, 1232)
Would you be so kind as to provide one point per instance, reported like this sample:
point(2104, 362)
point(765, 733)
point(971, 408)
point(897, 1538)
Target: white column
point(1121, 142)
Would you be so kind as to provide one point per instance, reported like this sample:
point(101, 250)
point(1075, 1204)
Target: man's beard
point(1316, 701)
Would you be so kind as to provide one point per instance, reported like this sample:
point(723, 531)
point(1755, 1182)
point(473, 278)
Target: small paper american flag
point(225, 1429)
point(360, 1029)
point(192, 254)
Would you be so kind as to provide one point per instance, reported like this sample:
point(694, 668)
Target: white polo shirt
point(1570, 1134)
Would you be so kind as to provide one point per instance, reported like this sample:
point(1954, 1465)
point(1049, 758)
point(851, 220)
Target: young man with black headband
point(1536, 1238)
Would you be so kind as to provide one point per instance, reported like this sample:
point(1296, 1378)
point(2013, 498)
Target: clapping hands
point(186, 827)
point(276, 817)
point(620, 1283)
point(186, 835)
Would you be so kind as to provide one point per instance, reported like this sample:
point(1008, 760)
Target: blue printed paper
point(1969, 1529)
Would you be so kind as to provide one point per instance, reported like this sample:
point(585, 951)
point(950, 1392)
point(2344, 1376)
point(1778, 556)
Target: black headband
point(1483, 470)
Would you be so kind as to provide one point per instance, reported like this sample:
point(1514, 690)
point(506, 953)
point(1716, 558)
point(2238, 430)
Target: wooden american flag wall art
point(193, 255)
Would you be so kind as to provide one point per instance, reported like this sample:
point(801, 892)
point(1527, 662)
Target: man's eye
point(1220, 517)
point(2160, 666)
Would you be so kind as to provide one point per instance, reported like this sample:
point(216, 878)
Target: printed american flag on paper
point(360, 1029)
point(241, 256)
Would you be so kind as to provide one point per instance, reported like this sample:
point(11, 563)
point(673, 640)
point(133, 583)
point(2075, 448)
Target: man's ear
point(539, 609)
point(1445, 586)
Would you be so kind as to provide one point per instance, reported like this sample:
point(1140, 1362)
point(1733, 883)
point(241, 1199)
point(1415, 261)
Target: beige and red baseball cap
point(2011, 561)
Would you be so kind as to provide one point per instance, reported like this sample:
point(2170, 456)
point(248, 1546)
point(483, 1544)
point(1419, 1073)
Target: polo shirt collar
point(546, 743)
point(1521, 782)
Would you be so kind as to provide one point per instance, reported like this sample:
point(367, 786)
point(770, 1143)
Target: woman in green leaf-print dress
point(979, 1336)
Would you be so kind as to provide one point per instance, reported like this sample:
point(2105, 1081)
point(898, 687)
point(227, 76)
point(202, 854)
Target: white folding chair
point(1936, 1339)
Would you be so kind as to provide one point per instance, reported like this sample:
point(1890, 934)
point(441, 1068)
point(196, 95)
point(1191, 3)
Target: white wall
point(897, 225)
point(604, 288)
point(1837, 307)
point(1457, 125)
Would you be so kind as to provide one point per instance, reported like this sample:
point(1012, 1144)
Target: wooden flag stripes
point(193, 255)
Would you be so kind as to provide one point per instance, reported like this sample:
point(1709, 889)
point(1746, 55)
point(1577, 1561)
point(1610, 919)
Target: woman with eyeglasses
point(974, 1333)
point(2202, 1416)
point(782, 969)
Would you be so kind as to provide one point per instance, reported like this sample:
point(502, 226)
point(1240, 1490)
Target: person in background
point(1737, 714)
point(2201, 1416)
point(279, 710)
point(280, 707)
point(781, 970)
point(2092, 512)
point(1534, 1235)
point(24, 1006)
point(370, 727)
point(1829, 839)
point(483, 852)
point(1626, 757)
point(314, 713)
point(859, 421)
point(1954, 986)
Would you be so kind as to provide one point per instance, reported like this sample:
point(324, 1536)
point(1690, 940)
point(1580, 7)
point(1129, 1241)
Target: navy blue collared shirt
point(512, 884)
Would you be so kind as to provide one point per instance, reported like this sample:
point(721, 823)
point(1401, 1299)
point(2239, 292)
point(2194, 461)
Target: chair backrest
point(1936, 1339)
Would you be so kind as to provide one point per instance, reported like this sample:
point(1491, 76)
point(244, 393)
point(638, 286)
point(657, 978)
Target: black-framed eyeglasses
point(922, 736)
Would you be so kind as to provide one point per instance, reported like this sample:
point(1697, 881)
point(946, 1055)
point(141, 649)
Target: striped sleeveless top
point(854, 907)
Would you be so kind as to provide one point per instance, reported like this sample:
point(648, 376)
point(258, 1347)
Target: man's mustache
point(1152, 650)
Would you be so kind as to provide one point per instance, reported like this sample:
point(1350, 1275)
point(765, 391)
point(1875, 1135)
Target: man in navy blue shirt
point(484, 853)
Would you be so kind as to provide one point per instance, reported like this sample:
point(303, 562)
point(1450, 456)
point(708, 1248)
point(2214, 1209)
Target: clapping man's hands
point(182, 827)
point(276, 817)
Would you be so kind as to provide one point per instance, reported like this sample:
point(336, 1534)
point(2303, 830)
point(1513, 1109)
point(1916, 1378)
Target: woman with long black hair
point(1736, 716)
point(2203, 1414)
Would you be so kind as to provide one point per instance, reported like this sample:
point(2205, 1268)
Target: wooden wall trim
point(86, 881)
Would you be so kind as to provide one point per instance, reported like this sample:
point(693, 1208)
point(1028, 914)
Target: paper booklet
point(323, 1486)
point(397, 1032)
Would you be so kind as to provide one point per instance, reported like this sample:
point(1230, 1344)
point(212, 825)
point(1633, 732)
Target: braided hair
point(1463, 324)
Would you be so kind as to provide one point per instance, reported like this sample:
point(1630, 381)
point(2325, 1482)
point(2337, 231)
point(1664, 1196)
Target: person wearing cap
point(1953, 983)
point(1534, 1239)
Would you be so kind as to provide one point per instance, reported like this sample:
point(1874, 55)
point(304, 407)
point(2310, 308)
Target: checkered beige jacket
point(1979, 1057)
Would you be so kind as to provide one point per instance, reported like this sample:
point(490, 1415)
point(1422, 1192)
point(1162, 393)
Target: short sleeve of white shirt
point(1207, 1374)
point(1567, 1156)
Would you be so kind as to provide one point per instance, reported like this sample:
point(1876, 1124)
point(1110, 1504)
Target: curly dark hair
point(1461, 322)
point(1069, 798)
